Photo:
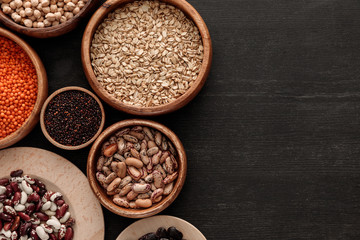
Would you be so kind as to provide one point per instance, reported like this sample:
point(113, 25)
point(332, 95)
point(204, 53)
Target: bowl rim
point(100, 192)
point(52, 31)
point(178, 103)
point(42, 116)
point(42, 91)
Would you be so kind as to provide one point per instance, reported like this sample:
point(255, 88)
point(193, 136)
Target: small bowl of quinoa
point(72, 118)
point(146, 57)
point(23, 88)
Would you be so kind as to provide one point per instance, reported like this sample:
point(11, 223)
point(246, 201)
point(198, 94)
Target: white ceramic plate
point(151, 224)
point(58, 174)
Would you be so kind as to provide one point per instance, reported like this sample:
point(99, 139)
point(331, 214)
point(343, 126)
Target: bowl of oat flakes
point(146, 57)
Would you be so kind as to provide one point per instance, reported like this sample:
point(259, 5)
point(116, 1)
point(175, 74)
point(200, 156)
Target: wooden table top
point(273, 137)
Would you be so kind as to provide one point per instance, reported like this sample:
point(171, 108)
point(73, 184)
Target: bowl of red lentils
point(146, 57)
point(72, 118)
point(23, 88)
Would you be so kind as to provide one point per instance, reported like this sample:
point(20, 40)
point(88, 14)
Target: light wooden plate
point(151, 224)
point(58, 174)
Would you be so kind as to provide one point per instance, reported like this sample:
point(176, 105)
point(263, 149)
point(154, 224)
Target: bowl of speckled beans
point(72, 118)
point(146, 57)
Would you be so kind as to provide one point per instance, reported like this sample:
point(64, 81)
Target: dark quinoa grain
point(72, 118)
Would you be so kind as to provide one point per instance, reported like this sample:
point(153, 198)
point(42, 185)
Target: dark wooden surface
point(273, 138)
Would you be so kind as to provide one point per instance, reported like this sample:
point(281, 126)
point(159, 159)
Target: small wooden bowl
point(180, 102)
point(33, 119)
point(105, 200)
point(42, 116)
point(48, 32)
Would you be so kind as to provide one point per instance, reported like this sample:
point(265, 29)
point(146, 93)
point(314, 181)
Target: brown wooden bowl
point(48, 32)
point(180, 102)
point(42, 116)
point(105, 200)
point(33, 119)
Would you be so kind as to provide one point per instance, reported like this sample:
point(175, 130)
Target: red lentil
point(18, 87)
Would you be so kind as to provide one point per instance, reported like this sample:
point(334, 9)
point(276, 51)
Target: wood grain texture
point(272, 139)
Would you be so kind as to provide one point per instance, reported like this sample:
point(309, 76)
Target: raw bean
point(19, 207)
point(110, 178)
point(16, 173)
point(54, 222)
point(153, 187)
point(41, 216)
point(51, 235)
point(114, 192)
point(55, 196)
point(16, 198)
point(130, 138)
point(29, 179)
point(6, 217)
point(10, 210)
point(141, 188)
point(108, 161)
point(70, 222)
point(172, 149)
point(34, 235)
point(41, 233)
point(59, 202)
point(4, 181)
point(100, 163)
point(156, 194)
point(52, 208)
point(158, 138)
point(161, 170)
point(69, 234)
point(122, 132)
point(143, 145)
point(14, 236)
point(161, 233)
point(8, 202)
point(144, 157)
point(113, 166)
point(122, 202)
point(144, 173)
point(149, 178)
point(65, 217)
point(29, 209)
point(164, 144)
point(138, 135)
point(148, 133)
point(156, 158)
point(143, 203)
point(61, 211)
point(49, 213)
point(135, 153)
point(131, 195)
point(121, 143)
point(137, 129)
point(15, 187)
point(169, 166)
point(26, 187)
point(125, 190)
point(152, 151)
point(46, 206)
point(2, 189)
point(34, 197)
point(127, 155)
point(110, 150)
point(125, 181)
point(134, 173)
point(170, 178)
point(174, 233)
point(134, 162)
point(16, 179)
point(175, 164)
point(106, 170)
point(114, 184)
point(151, 144)
point(121, 169)
point(2, 198)
point(24, 227)
point(132, 204)
point(137, 147)
point(149, 167)
point(24, 216)
point(39, 183)
point(158, 179)
point(164, 156)
point(9, 190)
point(168, 188)
point(144, 195)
